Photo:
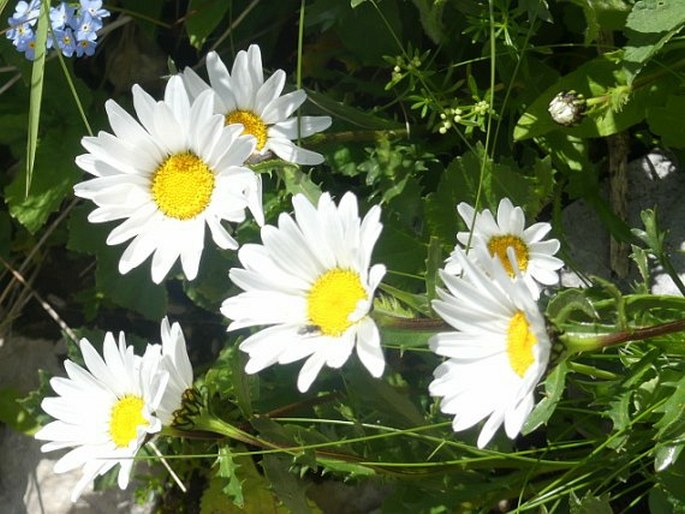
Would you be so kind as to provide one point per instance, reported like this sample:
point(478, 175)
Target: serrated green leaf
point(672, 423)
point(227, 470)
point(288, 489)
point(349, 469)
point(296, 181)
point(589, 504)
point(203, 16)
point(554, 388)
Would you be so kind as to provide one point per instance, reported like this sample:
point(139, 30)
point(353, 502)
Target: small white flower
point(173, 358)
point(311, 279)
point(498, 354)
point(104, 412)
point(243, 96)
point(168, 175)
point(508, 239)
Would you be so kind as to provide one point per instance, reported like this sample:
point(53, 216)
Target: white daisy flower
point(104, 412)
point(311, 280)
point(243, 96)
point(167, 175)
point(173, 357)
point(498, 354)
point(516, 246)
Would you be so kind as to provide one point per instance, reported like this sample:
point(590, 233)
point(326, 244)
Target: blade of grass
point(36, 95)
point(3, 4)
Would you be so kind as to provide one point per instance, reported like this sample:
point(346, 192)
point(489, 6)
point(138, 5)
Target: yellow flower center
point(127, 416)
point(252, 124)
point(520, 342)
point(182, 186)
point(497, 245)
point(332, 298)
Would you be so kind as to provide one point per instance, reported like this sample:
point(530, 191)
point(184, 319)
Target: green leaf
point(568, 301)
point(342, 112)
point(287, 487)
point(666, 455)
point(54, 159)
point(349, 469)
point(667, 121)
point(656, 15)
point(227, 469)
point(604, 77)
point(37, 76)
point(672, 423)
point(459, 182)
point(296, 181)
point(13, 414)
point(393, 406)
point(589, 504)
point(135, 290)
point(434, 261)
point(554, 388)
point(203, 16)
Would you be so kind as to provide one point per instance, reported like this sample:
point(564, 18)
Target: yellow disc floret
point(332, 298)
point(182, 186)
point(127, 416)
point(252, 125)
point(497, 246)
point(520, 342)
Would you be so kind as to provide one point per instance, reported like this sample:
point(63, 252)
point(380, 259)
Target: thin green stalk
point(300, 42)
point(486, 151)
point(72, 89)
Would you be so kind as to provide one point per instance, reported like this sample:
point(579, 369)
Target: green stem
point(575, 343)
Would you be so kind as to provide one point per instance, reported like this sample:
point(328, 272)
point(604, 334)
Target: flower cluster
point(181, 167)
point(500, 349)
point(73, 27)
point(106, 411)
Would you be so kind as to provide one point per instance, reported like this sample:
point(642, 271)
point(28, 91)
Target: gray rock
point(653, 182)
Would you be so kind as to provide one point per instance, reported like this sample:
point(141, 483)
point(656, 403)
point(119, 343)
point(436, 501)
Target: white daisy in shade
point(498, 353)
point(104, 412)
point(312, 280)
point(515, 246)
point(243, 96)
point(168, 175)
point(173, 356)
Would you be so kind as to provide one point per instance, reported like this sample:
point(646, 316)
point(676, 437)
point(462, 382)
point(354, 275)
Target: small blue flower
point(62, 16)
point(87, 27)
point(85, 47)
point(66, 41)
point(94, 8)
point(28, 46)
point(25, 12)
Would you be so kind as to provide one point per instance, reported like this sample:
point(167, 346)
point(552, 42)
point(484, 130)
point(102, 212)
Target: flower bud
point(567, 108)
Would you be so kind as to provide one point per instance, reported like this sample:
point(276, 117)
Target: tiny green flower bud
point(567, 108)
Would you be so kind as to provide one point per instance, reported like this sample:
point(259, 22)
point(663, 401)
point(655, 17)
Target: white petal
point(369, 347)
